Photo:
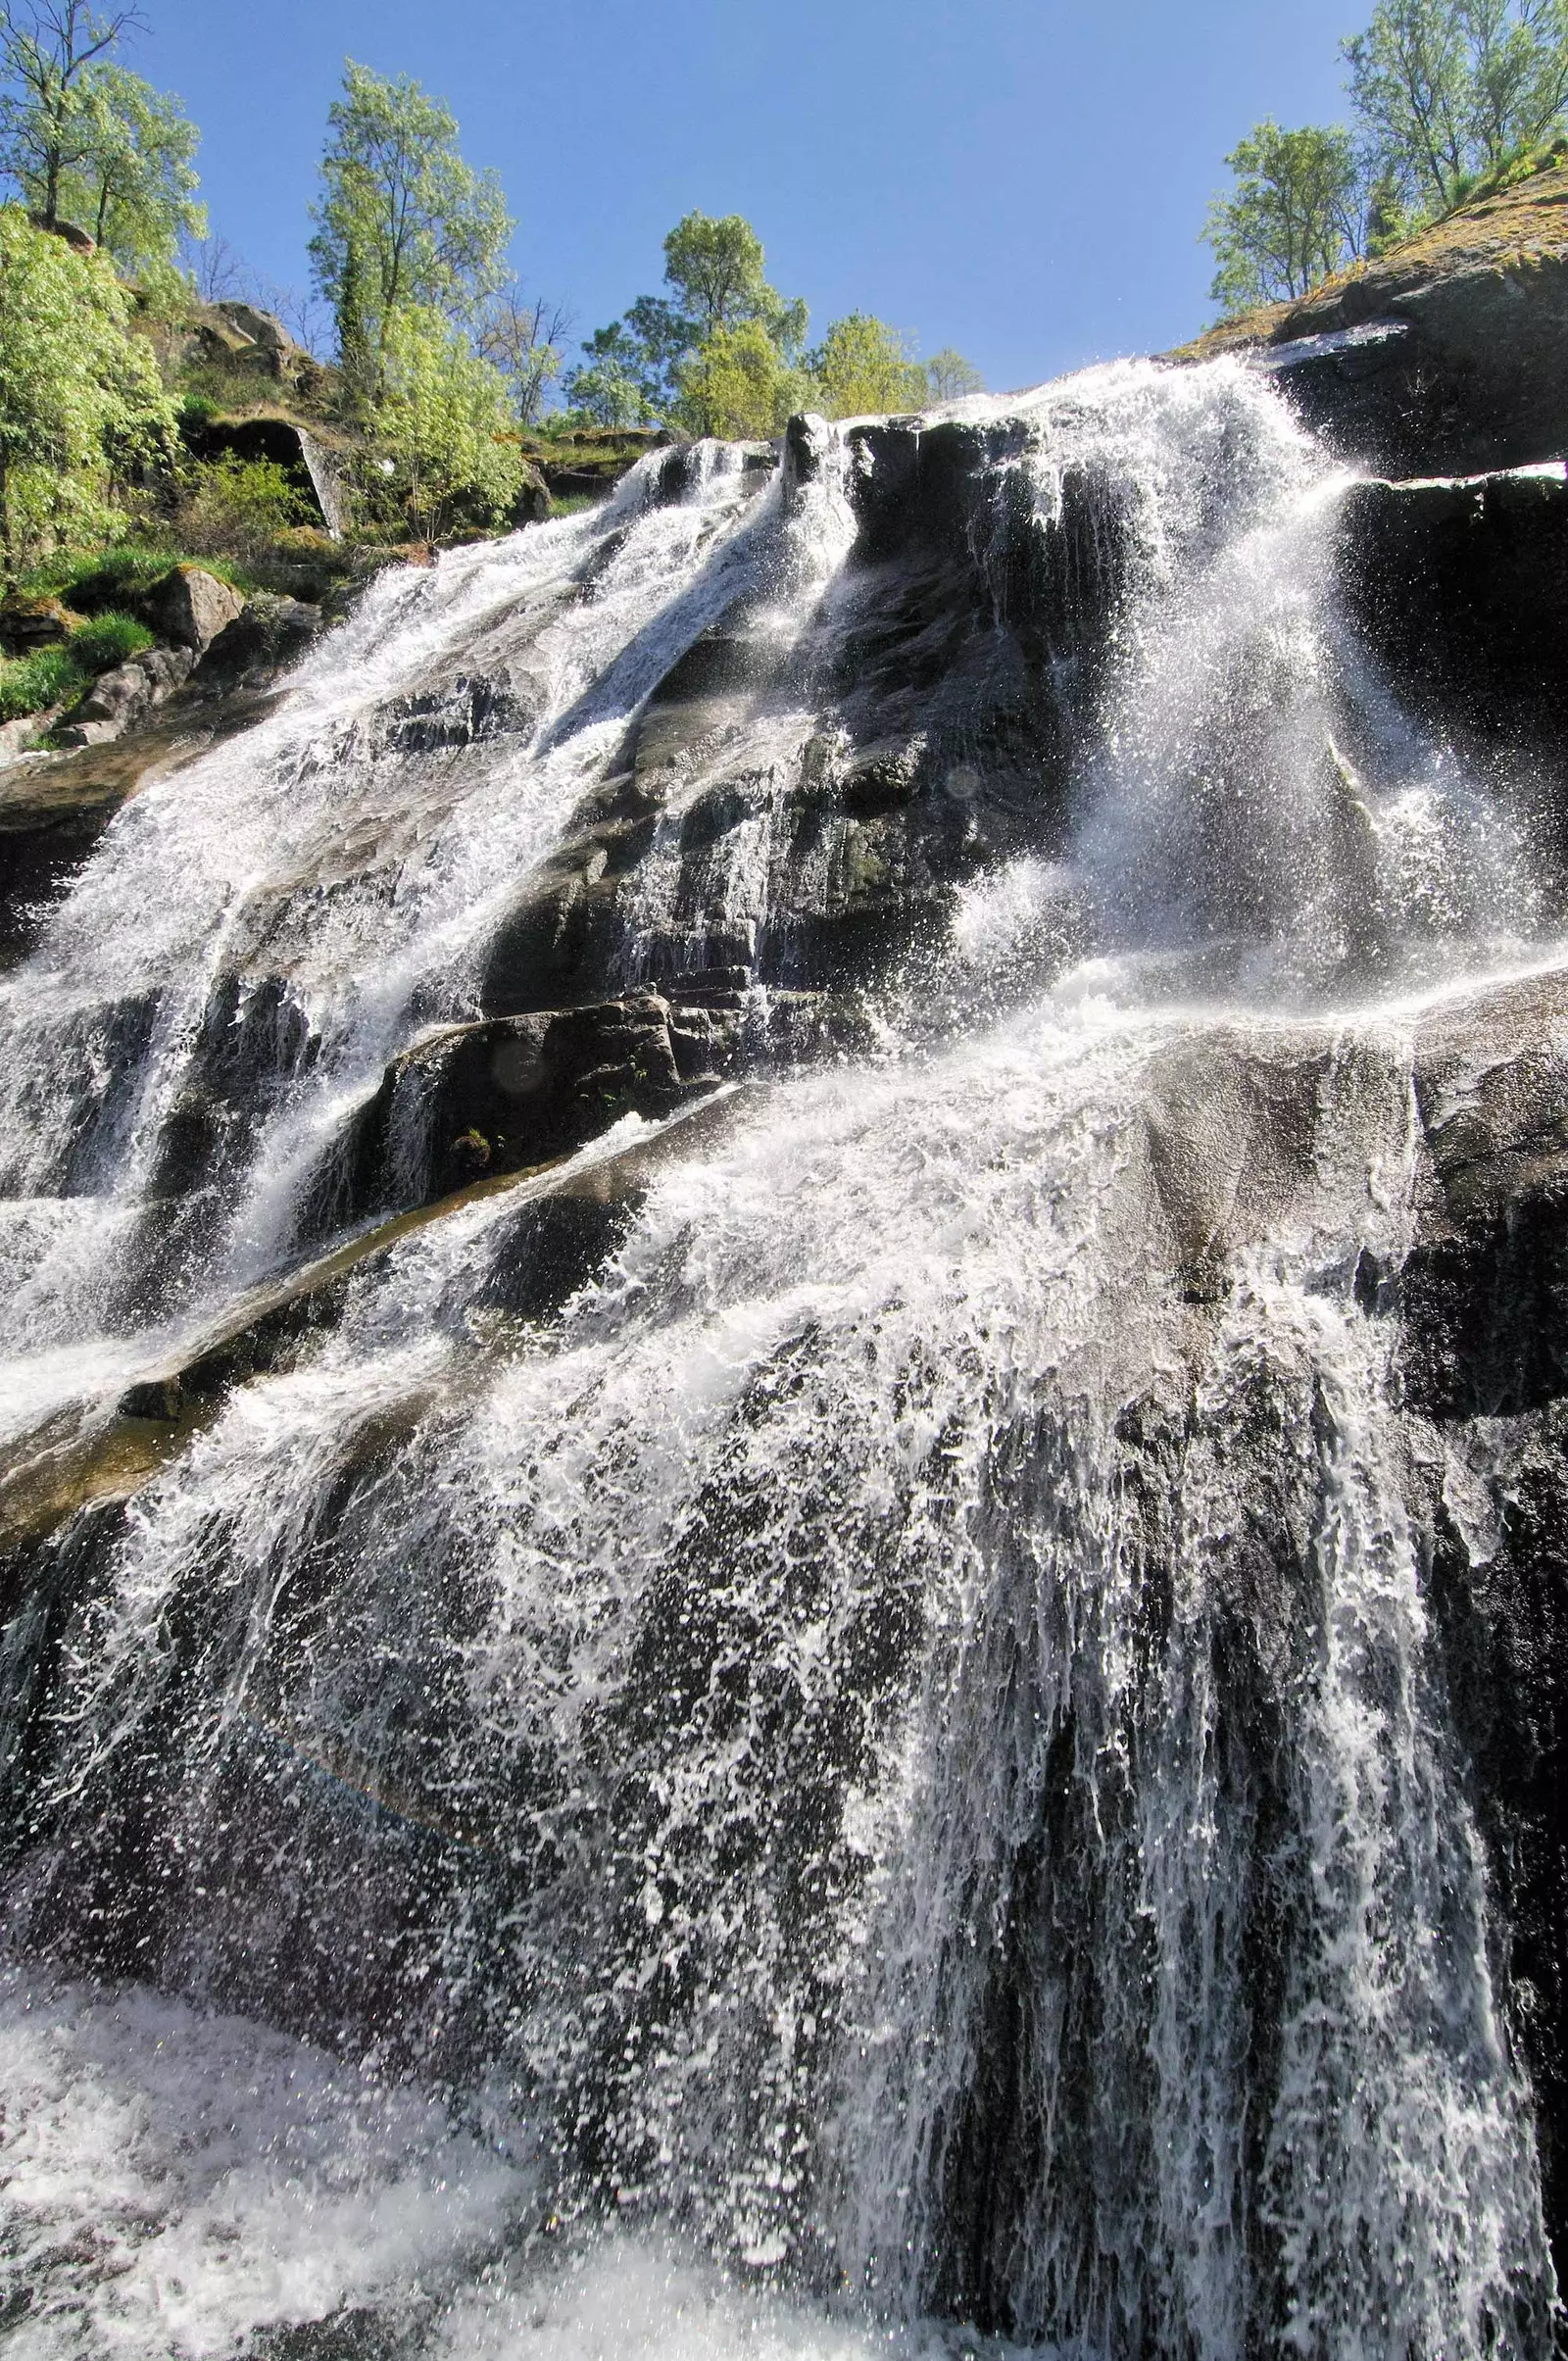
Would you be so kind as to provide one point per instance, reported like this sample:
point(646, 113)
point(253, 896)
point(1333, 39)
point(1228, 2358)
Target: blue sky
point(1022, 179)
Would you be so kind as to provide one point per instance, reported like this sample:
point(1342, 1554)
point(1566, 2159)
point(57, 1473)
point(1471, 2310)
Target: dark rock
point(1461, 587)
point(27, 622)
point(533, 503)
point(270, 634)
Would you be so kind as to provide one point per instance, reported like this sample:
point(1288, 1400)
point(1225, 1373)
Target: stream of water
point(878, 1779)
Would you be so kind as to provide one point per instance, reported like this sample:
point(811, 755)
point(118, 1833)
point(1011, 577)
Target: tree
point(738, 385)
point(717, 269)
point(608, 385)
point(949, 376)
point(862, 368)
point(1293, 217)
point(1449, 89)
point(78, 395)
point(445, 424)
point(524, 341)
point(402, 224)
point(134, 184)
point(47, 52)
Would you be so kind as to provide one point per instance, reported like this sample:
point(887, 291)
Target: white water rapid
point(873, 1776)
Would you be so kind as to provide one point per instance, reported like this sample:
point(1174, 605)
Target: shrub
point(237, 507)
point(107, 640)
point(48, 677)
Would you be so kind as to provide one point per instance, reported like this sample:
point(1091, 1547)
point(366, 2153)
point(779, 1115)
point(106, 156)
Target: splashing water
point(877, 1778)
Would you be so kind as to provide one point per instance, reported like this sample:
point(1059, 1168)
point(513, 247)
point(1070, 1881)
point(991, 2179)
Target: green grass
point(572, 504)
point(53, 676)
point(45, 677)
point(108, 640)
point(101, 579)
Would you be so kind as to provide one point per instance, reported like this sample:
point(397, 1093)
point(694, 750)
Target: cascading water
point(880, 1759)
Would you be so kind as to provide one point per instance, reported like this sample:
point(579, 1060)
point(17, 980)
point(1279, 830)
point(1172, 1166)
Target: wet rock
point(1461, 587)
point(808, 439)
point(190, 607)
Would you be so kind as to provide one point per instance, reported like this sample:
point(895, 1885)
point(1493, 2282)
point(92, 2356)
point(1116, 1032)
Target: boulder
point(26, 623)
point(190, 606)
point(533, 503)
point(269, 634)
point(120, 697)
point(808, 439)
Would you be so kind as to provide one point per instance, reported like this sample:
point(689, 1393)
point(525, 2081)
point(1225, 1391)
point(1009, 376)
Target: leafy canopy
point(79, 397)
point(1444, 92)
point(446, 425)
point(402, 224)
point(738, 385)
point(88, 143)
point(862, 367)
point(1290, 219)
point(646, 365)
point(1447, 89)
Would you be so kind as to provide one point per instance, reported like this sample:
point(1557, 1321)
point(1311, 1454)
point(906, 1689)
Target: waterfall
point(828, 1726)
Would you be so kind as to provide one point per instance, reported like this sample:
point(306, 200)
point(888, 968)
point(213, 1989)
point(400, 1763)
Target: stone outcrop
point(190, 607)
point(1460, 586)
point(1448, 355)
point(125, 695)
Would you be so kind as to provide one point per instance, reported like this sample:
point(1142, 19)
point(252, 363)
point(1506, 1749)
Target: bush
point(237, 507)
point(48, 677)
point(107, 640)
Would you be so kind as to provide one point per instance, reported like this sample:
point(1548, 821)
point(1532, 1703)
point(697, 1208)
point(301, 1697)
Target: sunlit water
point(882, 1768)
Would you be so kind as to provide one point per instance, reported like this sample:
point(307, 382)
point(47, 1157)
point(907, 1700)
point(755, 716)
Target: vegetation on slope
point(1453, 101)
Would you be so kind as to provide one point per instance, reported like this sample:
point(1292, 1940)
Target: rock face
point(191, 607)
point(1450, 355)
point(1461, 586)
point(122, 696)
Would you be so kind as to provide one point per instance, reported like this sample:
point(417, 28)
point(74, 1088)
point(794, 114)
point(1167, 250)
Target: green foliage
point(717, 269)
point(133, 186)
point(863, 368)
point(46, 677)
point(1292, 218)
point(610, 386)
point(949, 376)
point(737, 385)
point(1447, 89)
point(47, 52)
point(648, 365)
point(236, 508)
point(403, 224)
point(107, 640)
point(446, 428)
point(78, 396)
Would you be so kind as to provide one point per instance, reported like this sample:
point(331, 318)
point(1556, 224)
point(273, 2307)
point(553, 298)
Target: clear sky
point(1022, 179)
